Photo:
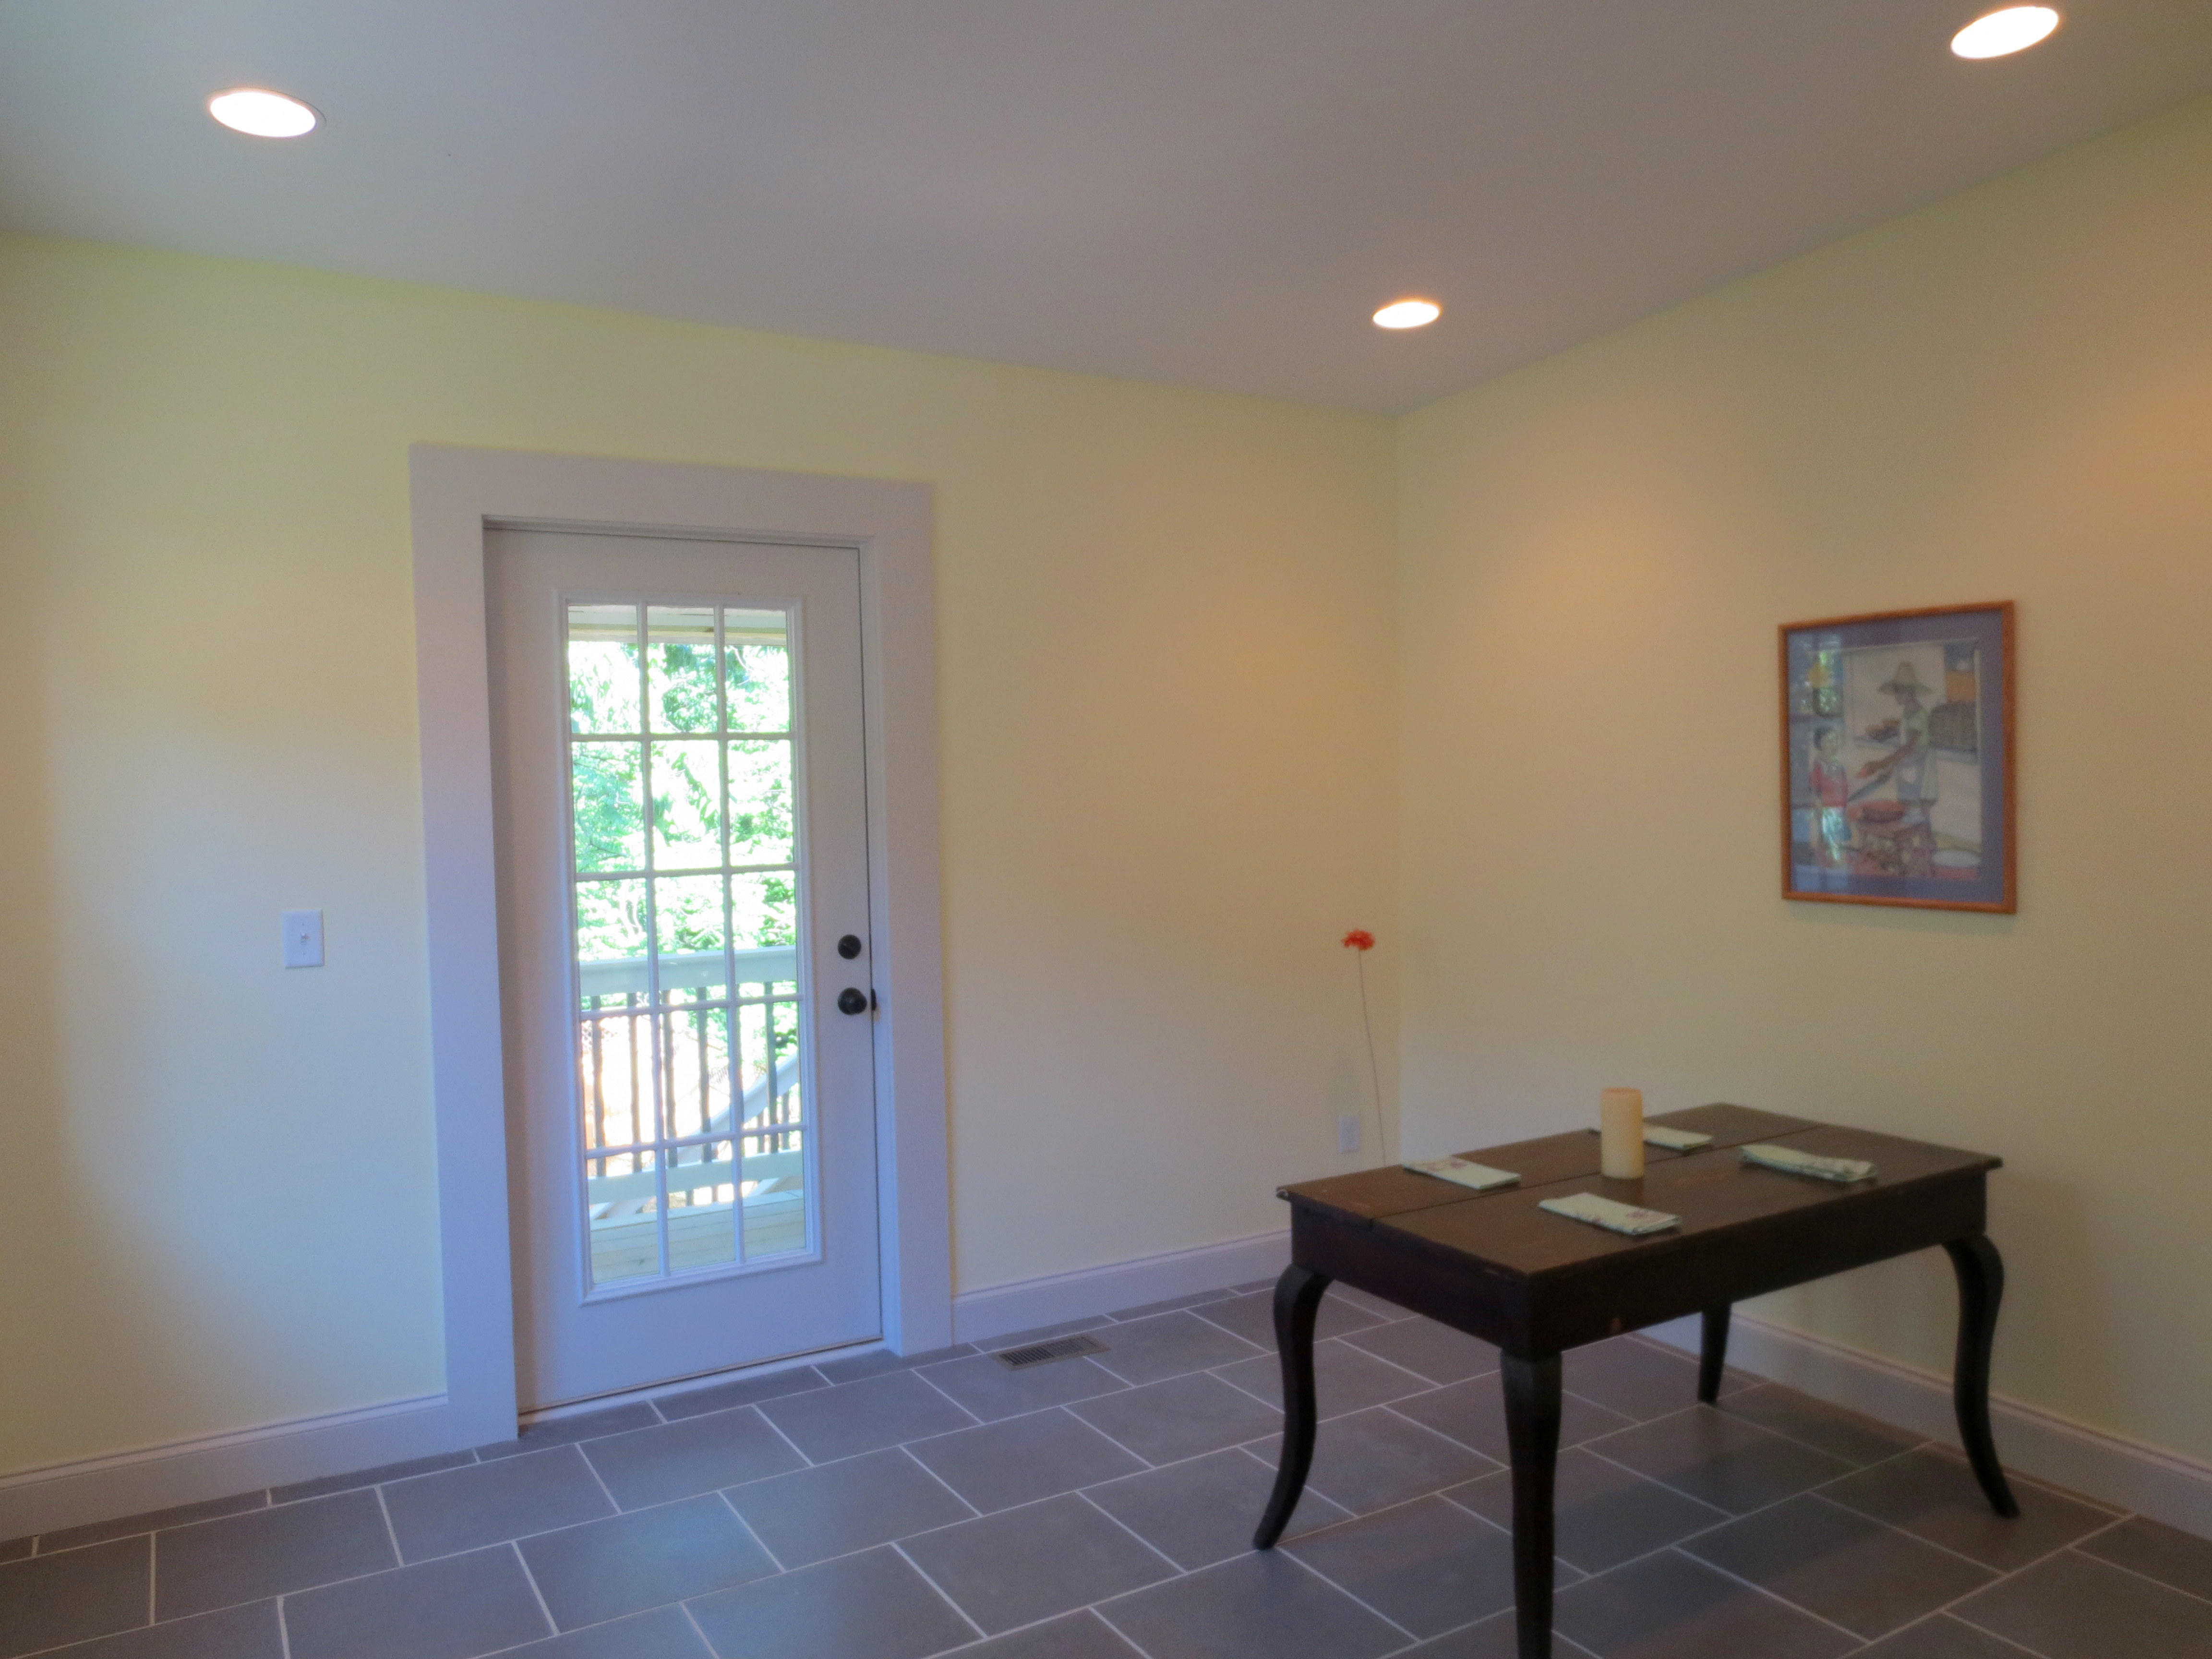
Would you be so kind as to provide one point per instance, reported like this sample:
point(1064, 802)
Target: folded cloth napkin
point(1676, 1141)
point(1466, 1172)
point(1790, 1161)
point(1628, 1218)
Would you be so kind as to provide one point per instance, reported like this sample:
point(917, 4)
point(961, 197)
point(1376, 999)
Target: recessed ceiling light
point(2003, 33)
point(263, 114)
point(1408, 313)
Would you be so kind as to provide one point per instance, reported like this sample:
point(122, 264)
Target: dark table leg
point(1298, 1300)
point(1712, 1357)
point(1980, 1272)
point(1532, 1433)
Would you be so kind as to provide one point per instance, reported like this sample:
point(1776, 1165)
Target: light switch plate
point(303, 938)
point(1347, 1133)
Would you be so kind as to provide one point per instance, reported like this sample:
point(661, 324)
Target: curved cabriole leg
point(1980, 1272)
point(1298, 1300)
point(1712, 1357)
point(1532, 1435)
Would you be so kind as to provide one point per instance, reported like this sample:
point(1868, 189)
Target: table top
point(1712, 1188)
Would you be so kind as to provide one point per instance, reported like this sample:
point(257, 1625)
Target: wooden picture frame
point(1898, 759)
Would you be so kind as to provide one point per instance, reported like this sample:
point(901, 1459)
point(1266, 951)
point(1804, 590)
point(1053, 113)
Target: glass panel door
point(693, 1127)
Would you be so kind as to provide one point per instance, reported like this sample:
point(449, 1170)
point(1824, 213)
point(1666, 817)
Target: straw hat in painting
point(1901, 681)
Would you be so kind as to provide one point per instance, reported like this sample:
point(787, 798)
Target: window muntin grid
point(693, 1125)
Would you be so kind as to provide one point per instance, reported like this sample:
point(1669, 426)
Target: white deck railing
point(613, 1197)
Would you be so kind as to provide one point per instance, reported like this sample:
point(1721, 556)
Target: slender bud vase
point(1620, 1135)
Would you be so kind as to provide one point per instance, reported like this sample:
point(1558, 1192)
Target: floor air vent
point(1043, 1353)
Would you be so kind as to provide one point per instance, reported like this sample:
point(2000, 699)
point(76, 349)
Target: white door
point(681, 807)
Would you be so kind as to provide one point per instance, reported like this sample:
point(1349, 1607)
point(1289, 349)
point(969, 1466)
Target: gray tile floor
point(876, 1508)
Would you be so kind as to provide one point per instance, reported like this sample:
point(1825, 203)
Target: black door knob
point(849, 946)
point(850, 1001)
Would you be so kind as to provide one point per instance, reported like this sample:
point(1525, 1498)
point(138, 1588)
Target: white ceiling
point(1205, 192)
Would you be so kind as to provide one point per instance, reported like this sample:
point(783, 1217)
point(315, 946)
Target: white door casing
point(457, 494)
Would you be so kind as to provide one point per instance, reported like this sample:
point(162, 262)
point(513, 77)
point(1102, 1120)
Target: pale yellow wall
point(1166, 665)
point(2007, 395)
point(1165, 629)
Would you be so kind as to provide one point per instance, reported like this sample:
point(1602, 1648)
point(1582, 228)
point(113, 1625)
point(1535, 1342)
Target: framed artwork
point(1897, 759)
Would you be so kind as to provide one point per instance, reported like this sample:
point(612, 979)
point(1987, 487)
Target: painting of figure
point(1897, 751)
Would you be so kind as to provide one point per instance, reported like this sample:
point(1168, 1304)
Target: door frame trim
point(456, 495)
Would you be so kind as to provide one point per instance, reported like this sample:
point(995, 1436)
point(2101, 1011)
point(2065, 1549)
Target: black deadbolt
point(850, 1001)
point(849, 946)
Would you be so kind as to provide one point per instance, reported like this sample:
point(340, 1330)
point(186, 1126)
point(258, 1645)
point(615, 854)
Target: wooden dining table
point(1535, 1284)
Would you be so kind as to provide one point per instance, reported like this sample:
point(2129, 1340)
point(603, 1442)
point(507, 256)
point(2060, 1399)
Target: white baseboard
point(2043, 1444)
point(2040, 1443)
point(59, 1495)
point(982, 1315)
point(48, 1498)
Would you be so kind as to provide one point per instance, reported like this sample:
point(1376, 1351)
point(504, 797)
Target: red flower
point(1359, 940)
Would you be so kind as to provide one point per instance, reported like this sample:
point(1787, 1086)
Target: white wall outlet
point(303, 938)
point(1347, 1132)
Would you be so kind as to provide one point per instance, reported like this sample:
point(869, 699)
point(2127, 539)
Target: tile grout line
point(1175, 1569)
point(1218, 1326)
point(905, 1450)
point(1729, 1519)
point(1215, 1372)
point(1726, 1519)
point(1780, 1434)
point(1244, 1446)
point(1558, 1636)
point(1017, 1629)
point(283, 1629)
point(1429, 1385)
point(2002, 1574)
point(1097, 1610)
point(37, 1539)
point(1941, 1448)
point(1945, 1549)
point(448, 1555)
point(1944, 1612)
point(1821, 1492)
point(604, 1624)
point(1131, 1450)
point(898, 1549)
point(605, 1491)
point(2006, 1640)
point(1499, 1527)
point(515, 1544)
point(773, 1560)
point(2006, 1574)
point(1695, 1405)
point(519, 1538)
point(1591, 1447)
point(399, 1555)
point(1391, 1405)
point(973, 1420)
point(692, 1620)
point(552, 1625)
point(1779, 1601)
point(804, 1461)
point(2106, 1561)
point(1308, 1566)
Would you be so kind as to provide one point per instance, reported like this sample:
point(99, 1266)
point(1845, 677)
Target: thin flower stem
point(1374, 1074)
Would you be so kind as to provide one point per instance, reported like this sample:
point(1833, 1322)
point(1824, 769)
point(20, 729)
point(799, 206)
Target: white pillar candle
point(1620, 1135)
